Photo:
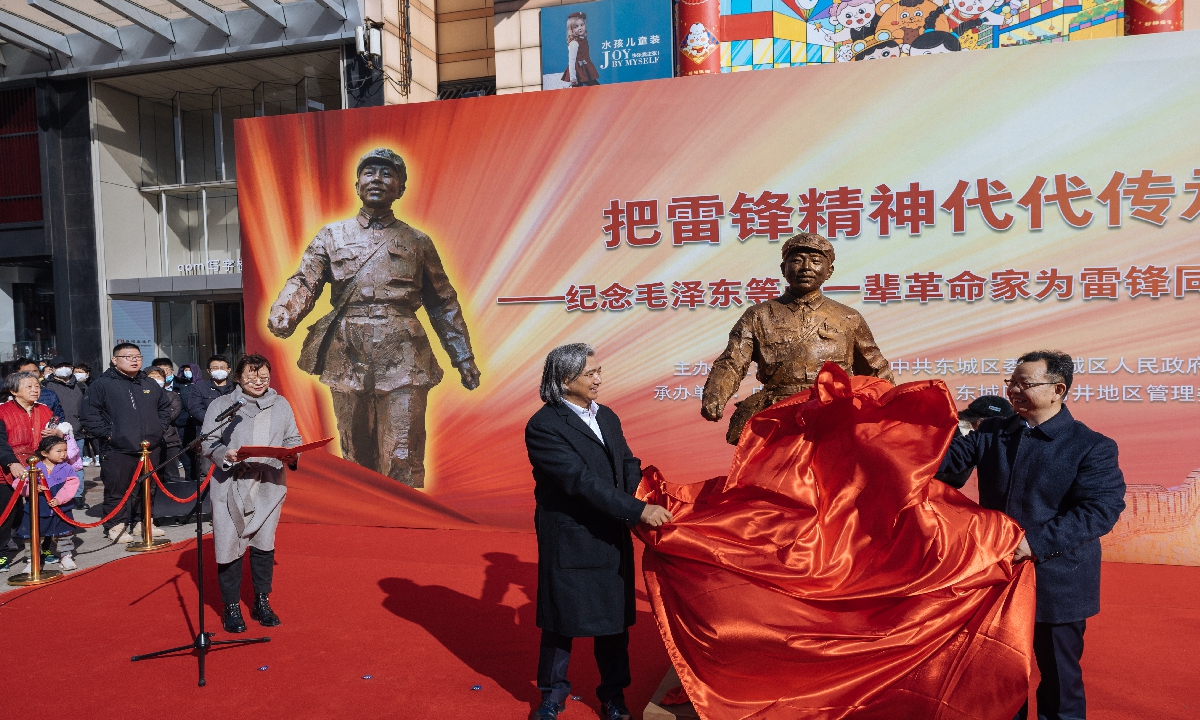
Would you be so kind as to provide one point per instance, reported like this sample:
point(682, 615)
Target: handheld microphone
point(230, 411)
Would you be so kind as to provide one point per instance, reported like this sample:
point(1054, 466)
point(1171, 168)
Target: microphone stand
point(203, 641)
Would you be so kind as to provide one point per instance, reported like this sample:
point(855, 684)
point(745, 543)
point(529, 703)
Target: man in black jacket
point(585, 478)
point(122, 408)
point(201, 394)
point(1061, 482)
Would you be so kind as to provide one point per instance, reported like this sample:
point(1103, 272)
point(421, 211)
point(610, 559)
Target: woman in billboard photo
point(580, 70)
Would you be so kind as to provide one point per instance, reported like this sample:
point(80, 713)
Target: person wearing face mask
point(83, 373)
point(88, 445)
point(201, 394)
point(168, 472)
point(68, 391)
point(185, 423)
point(187, 373)
point(168, 371)
point(174, 386)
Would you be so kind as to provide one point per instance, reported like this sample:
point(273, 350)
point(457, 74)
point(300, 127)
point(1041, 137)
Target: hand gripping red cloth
point(830, 576)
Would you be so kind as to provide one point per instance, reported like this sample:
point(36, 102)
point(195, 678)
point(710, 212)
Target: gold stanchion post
point(36, 575)
point(147, 542)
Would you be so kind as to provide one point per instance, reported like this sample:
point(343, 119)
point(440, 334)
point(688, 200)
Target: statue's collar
point(813, 299)
point(365, 218)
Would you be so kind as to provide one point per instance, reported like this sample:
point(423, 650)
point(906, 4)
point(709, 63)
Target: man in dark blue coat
point(1061, 482)
point(585, 478)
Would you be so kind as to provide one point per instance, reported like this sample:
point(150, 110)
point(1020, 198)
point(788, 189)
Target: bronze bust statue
point(371, 350)
point(790, 338)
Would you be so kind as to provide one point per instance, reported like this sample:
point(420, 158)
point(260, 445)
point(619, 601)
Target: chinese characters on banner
point(844, 212)
point(1089, 283)
point(1160, 378)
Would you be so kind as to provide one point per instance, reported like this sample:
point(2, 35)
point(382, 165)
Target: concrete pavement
point(92, 548)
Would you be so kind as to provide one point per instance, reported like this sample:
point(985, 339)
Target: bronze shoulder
point(405, 229)
point(833, 307)
point(756, 313)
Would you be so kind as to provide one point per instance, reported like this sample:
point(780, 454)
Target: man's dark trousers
point(1058, 648)
point(612, 658)
point(116, 472)
point(10, 522)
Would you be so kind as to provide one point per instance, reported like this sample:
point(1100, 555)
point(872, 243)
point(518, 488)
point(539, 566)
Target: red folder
point(279, 453)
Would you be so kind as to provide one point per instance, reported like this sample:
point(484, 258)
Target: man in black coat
point(200, 394)
point(122, 408)
point(585, 478)
point(1061, 482)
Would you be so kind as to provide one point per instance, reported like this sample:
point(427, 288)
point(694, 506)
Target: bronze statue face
point(805, 271)
point(379, 186)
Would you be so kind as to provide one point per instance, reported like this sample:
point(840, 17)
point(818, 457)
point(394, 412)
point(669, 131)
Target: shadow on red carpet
point(403, 623)
point(377, 623)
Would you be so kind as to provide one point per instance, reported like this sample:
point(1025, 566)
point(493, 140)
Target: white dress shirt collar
point(588, 416)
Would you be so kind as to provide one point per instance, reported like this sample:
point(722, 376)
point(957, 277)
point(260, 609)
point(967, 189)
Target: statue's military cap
point(808, 241)
point(381, 156)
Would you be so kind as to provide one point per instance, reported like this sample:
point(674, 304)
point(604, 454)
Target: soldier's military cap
point(380, 156)
point(808, 241)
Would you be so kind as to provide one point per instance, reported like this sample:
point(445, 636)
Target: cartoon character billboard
point(605, 42)
point(1063, 219)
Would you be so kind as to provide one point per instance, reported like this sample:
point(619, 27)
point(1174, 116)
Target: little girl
point(580, 70)
point(60, 478)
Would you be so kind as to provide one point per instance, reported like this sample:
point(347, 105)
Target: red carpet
point(430, 613)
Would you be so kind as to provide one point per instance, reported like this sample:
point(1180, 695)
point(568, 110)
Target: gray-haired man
point(585, 478)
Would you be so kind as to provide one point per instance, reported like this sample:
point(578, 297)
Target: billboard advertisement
point(605, 42)
point(1056, 212)
point(758, 35)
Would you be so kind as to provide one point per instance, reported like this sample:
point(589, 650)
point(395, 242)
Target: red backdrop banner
point(644, 218)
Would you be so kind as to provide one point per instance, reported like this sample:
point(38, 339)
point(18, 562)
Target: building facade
point(118, 184)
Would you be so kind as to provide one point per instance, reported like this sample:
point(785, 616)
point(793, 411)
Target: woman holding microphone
point(247, 492)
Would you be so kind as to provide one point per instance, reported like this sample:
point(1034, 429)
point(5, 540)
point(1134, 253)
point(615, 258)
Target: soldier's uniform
point(790, 339)
point(375, 355)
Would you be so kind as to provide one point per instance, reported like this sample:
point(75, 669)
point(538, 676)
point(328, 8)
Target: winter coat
point(70, 397)
point(1061, 482)
point(122, 411)
point(247, 497)
point(585, 507)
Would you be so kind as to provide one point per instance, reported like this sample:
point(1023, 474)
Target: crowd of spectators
point(103, 420)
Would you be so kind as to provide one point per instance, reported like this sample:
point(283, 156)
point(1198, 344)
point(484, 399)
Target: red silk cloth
point(830, 576)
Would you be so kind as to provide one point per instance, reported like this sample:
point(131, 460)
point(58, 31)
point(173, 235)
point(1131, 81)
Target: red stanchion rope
point(132, 484)
point(189, 498)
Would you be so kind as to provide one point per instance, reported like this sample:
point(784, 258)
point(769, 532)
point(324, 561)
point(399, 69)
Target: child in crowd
point(59, 477)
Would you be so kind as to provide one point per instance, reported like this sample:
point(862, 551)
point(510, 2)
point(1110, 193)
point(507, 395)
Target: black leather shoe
point(548, 710)
point(233, 622)
point(263, 613)
point(615, 710)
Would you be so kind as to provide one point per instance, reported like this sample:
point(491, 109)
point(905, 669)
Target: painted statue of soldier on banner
point(371, 350)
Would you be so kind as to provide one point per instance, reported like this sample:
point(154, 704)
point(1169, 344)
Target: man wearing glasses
point(1061, 482)
point(122, 408)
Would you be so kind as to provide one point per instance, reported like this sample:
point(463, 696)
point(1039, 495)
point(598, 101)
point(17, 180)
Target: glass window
point(133, 321)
